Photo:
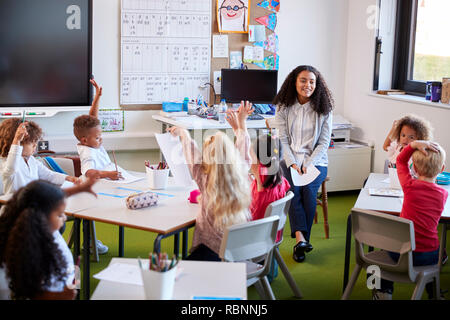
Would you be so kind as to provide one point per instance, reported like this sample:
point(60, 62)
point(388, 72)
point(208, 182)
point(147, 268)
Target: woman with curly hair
point(34, 258)
point(304, 120)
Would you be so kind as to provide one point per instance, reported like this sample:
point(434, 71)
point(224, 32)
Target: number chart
point(165, 50)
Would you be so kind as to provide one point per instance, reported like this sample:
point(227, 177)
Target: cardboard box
point(445, 95)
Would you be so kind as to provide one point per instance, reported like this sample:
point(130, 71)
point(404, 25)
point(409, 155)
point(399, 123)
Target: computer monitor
point(256, 86)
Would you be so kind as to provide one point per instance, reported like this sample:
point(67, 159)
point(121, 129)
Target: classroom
point(151, 129)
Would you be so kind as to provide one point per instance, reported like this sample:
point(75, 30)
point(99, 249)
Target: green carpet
point(320, 277)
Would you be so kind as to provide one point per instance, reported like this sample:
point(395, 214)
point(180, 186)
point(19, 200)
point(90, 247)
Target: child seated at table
point(93, 156)
point(35, 261)
point(423, 204)
point(222, 178)
point(18, 166)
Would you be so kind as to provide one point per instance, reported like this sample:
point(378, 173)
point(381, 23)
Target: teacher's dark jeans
point(303, 205)
point(419, 259)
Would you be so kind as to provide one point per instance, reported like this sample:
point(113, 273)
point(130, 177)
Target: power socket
point(43, 145)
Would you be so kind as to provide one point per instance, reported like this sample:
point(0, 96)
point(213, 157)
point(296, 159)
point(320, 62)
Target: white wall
point(314, 33)
point(373, 116)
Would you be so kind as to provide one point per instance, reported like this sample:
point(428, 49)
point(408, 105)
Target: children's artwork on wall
point(270, 21)
point(235, 59)
point(270, 44)
point(256, 33)
point(233, 15)
point(111, 120)
point(271, 62)
point(271, 5)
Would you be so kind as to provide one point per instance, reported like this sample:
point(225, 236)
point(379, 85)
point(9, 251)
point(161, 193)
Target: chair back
point(280, 208)
point(249, 240)
point(386, 232)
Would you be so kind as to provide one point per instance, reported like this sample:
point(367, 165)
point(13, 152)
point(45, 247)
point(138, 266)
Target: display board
point(165, 50)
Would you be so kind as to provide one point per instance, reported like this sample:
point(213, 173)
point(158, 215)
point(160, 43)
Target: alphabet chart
point(165, 50)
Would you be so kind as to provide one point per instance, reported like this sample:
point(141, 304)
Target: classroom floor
point(320, 277)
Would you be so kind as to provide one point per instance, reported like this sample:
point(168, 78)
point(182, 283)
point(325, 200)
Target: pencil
point(115, 162)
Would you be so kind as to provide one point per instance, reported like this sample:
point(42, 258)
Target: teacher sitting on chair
point(304, 121)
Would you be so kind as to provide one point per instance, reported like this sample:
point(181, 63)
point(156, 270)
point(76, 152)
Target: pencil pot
point(393, 178)
point(157, 179)
point(158, 285)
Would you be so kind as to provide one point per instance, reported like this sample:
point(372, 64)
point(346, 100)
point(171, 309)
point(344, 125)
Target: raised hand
point(21, 133)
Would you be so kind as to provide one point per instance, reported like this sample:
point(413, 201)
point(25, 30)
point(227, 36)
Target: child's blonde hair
point(227, 185)
point(421, 126)
point(429, 165)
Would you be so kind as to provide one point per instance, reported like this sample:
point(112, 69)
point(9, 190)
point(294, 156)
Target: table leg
point(176, 244)
point(157, 244)
point(442, 244)
point(348, 246)
point(121, 240)
point(185, 244)
point(76, 245)
point(86, 266)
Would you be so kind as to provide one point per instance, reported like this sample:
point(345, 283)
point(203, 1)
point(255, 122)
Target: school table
point(173, 215)
point(388, 205)
point(194, 279)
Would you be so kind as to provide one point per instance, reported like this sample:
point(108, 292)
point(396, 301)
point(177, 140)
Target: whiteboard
point(165, 50)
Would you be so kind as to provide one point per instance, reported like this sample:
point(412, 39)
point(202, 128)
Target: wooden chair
point(322, 201)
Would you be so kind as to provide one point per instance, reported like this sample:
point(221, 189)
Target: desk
point(198, 278)
point(170, 216)
point(388, 205)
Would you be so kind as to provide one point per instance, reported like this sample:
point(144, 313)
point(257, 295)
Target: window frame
point(405, 30)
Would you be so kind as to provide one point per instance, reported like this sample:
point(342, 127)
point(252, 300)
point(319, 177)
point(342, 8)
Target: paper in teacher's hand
point(302, 180)
point(172, 149)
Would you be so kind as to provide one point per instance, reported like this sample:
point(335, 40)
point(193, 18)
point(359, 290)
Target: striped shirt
point(304, 134)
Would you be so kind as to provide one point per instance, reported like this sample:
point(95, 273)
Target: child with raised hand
point(267, 184)
point(35, 261)
point(18, 167)
point(93, 156)
point(222, 179)
point(404, 131)
point(423, 204)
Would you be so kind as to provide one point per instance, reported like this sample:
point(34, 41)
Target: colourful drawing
point(111, 120)
point(270, 44)
point(271, 5)
point(271, 62)
point(270, 21)
point(233, 15)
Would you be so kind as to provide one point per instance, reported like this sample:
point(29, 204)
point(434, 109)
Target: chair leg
point(94, 241)
point(418, 290)
point(437, 287)
point(260, 289)
point(315, 218)
point(287, 274)
point(325, 210)
point(267, 288)
point(351, 283)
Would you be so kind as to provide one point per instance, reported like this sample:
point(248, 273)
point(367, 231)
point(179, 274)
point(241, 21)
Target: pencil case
point(142, 200)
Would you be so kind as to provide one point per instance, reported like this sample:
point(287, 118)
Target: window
point(422, 45)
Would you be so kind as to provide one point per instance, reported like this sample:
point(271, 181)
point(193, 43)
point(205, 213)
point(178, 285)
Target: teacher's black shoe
point(299, 250)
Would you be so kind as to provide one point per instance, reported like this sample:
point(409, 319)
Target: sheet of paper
point(302, 180)
point(256, 33)
point(235, 59)
point(258, 54)
point(248, 54)
point(127, 177)
point(121, 272)
point(172, 150)
point(220, 46)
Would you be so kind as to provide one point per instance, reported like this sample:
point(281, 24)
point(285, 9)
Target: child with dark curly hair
point(404, 131)
point(93, 156)
point(304, 120)
point(35, 261)
point(18, 167)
